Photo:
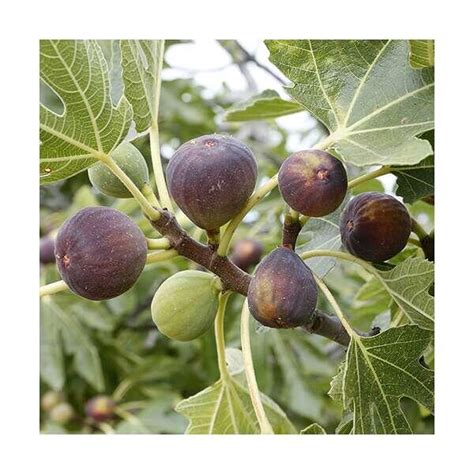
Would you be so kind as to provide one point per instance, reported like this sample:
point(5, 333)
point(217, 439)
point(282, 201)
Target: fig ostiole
point(100, 253)
point(283, 292)
point(132, 163)
point(211, 178)
point(185, 305)
point(375, 226)
point(312, 182)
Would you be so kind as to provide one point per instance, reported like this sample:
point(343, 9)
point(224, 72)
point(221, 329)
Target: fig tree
point(211, 178)
point(185, 305)
point(312, 182)
point(100, 408)
point(246, 253)
point(131, 161)
point(47, 250)
point(100, 253)
point(375, 226)
point(283, 293)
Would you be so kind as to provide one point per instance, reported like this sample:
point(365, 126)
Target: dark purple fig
point(100, 408)
point(246, 253)
point(211, 178)
point(375, 226)
point(283, 293)
point(100, 253)
point(47, 250)
point(312, 182)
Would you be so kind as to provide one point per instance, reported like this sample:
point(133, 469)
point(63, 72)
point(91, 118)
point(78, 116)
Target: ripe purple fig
point(283, 293)
point(246, 253)
point(312, 182)
point(375, 226)
point(100, 408)
point(47, 250)
point(211, 178)
point(100, 253)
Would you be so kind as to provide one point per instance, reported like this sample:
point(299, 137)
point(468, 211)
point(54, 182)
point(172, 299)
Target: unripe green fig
point(62, 413)
point(211, 178)
point(100, 253)
point(375, 226)
point(184, 306)
point(50, 399)
point(100, 408)
point(283, 292)
point(132, 163)
point(312, 182)
point(246, 253)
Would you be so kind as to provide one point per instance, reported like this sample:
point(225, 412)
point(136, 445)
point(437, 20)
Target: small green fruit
point(185, 305)
point(50, 399)
point(131, 161)
point(62, 413)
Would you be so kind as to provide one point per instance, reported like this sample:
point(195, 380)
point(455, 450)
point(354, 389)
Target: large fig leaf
point(408, 284)
point(90, 125)
point(365, 92)
point(267, 105)
point(141, 65)
point(421, 53)
point(378, 372)
point(226, 407)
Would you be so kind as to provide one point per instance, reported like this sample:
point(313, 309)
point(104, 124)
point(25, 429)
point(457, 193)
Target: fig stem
point(154, 244)
point(52, 288)
point(337, 309)
point(368, 176)
point(291, 229)
point(220, 338)
point(150, 211)
point(418, 230)
point(257, 196)
point(265, 426)
point(414, 242)
point(160, 256)
point(147, 191)
point(155, 139)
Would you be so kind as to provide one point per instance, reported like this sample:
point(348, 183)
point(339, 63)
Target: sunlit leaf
point(421, 53)
point(90, 125)
point(365, 92)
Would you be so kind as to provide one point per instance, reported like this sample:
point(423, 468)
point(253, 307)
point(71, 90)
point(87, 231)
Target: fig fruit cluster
point(283, 292)
point(100, 253)
point(185, 305)
point(132, 163)
point(211, 178)
point(375, 226)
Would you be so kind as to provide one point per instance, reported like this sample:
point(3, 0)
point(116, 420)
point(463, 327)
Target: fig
point(375, 226)
point(50, 399)
point(62, 413)
point(131, 161)
point(100, 253)
point(47, 250)
point(100, 408)
point(211, 178)
point(283, 293)
point(246, 253)
point(312, 182)
point(185, 305)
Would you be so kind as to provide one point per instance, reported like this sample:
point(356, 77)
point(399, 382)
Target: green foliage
point(421, 53)
point(77, 72)
point(377, 106)
point(266, 105)
point(379, 371)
